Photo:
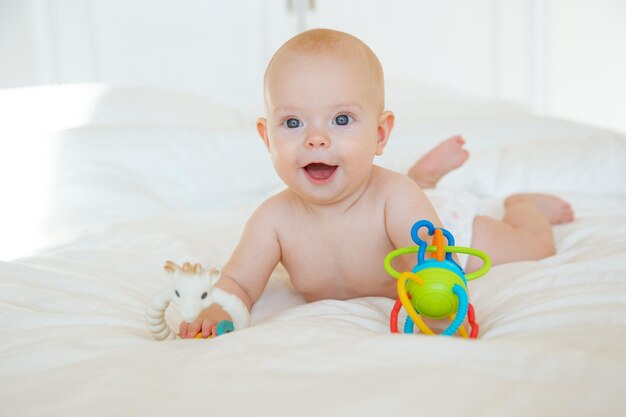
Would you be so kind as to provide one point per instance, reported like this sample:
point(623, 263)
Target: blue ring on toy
point(461, 312)
point(419, 242)
point(431, 231)
point(448, 236)
point(409, 325)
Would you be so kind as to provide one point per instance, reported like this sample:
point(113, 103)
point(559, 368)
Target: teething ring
point(456, 319)
point(464, 308)
point(438, 287)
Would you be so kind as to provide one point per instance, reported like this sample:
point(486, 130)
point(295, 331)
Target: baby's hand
point(191, 330)
point(204, 323)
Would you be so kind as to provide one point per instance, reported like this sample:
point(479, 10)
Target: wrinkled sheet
point(73, 339)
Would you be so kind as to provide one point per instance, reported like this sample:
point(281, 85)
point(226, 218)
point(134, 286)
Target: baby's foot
point(555, 209)
point(440, 160)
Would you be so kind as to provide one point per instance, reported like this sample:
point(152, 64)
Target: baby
point(340, 214)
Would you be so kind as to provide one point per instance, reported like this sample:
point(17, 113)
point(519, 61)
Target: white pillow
point(58, 107)
point(56, 187)
point(123, 171)
point(594, 165)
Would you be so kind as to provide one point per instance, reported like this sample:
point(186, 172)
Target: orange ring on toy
point(439, 245)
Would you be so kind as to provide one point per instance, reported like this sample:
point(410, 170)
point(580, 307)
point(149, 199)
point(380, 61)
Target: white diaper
point(457, 210)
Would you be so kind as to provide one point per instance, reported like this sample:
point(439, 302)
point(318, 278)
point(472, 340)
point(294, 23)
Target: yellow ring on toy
point(404, 298)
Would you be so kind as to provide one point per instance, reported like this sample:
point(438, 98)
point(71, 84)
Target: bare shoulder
point(405, 203)
point(273, 209)
point(395, 186)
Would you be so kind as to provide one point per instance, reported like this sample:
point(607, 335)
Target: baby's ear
point(385, 125)
point(261, 127)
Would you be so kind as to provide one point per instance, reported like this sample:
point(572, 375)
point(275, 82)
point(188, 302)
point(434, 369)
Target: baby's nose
point(317, 140)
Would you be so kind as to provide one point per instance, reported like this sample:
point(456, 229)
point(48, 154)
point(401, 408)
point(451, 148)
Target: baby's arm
point(247, 271)
point(405, 204)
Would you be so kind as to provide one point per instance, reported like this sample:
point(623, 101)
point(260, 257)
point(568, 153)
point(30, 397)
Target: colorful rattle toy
point(437, 287)
point(193, 290)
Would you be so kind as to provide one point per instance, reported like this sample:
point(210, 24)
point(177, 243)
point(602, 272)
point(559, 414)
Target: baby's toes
point(567, 213)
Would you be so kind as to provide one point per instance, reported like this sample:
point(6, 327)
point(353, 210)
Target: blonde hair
point(327, 41)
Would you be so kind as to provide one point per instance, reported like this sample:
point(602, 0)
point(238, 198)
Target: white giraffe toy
point(193, 290)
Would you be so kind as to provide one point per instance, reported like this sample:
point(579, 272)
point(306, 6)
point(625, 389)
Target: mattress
point(95, 203)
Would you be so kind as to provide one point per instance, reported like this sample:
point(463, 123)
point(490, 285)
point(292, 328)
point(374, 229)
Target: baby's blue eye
point(342, 120)
point(292, 123)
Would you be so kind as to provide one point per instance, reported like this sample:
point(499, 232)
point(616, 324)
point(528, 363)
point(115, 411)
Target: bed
point(103, 184)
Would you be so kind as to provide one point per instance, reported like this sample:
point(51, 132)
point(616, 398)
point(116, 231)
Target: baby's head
point(325, 118)
point(339, 54)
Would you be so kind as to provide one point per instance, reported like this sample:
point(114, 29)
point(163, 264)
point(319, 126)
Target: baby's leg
point(440, 160)
point(525, 232)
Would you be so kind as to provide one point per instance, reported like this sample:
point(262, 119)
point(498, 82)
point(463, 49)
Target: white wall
point(587, 68)
point(559, 57)
point(17, 55)
point(448, 43)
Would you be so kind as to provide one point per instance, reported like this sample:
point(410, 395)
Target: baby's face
point(322, 127)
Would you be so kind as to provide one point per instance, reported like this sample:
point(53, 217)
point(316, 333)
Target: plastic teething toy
point(193, 290)
point(436, 287)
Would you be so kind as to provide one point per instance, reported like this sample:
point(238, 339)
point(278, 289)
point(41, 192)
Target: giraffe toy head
point(192, 288)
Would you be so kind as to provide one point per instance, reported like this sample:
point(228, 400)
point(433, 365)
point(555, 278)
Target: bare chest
point(337, 259)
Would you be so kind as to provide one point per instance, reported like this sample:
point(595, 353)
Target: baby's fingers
point(182, 329)
point(193, 329)
point(207, 326)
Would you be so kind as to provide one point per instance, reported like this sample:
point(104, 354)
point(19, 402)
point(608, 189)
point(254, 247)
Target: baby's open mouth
point(320, 171)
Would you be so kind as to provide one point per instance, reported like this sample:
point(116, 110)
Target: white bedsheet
point(73, 340)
